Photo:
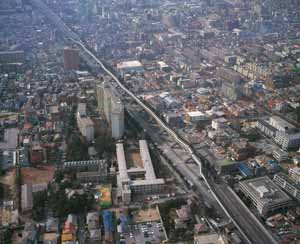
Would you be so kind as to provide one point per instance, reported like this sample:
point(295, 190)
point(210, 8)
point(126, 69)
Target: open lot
point(38, 175)
point(146, 215)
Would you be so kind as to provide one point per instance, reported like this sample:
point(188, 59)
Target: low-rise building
point(241, 149)
point(92, 221)
point(226, 166)
point(218, 123)
point(280, 155)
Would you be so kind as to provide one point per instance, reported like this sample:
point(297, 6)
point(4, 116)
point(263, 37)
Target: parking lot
point(151, 232)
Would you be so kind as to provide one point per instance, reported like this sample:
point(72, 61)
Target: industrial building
point(150, 184)
point(128, 67)
point(265, 195)
point(111, 106)
point(88, 165)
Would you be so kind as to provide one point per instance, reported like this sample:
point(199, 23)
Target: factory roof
point(130, 64)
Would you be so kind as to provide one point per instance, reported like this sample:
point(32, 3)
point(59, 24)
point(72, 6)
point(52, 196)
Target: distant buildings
point(71, 58)
point(7, 57)
point(11, 61)
point(111, 106)
point(265, 195)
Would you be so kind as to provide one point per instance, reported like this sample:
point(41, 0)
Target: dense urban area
point(148, 122)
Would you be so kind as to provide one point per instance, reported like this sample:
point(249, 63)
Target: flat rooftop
point(266, 190)
point(224, 162)
point(196, 114)
point(129, 64)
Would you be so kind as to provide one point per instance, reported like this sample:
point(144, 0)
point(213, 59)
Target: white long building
point(127, 186)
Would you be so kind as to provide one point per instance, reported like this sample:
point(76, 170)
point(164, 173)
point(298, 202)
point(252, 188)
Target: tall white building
point(110, 104)
point(84, 123)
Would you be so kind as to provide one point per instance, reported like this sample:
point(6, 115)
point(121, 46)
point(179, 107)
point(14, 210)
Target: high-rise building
point(7, 57)
point(85, 124)
point(71, 58)
point(111, 106)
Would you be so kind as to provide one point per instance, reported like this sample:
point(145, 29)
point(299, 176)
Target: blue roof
point(124, 222)
point(245, 170)
point(108, 220)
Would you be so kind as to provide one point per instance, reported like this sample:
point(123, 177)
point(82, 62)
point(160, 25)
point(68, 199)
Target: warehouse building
point(128, 67)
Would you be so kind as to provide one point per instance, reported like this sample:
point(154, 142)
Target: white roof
point(196, 114)
point(121, 161)
point(162, 64)
point(129, 64)
point(146, 159)
point(262, 189)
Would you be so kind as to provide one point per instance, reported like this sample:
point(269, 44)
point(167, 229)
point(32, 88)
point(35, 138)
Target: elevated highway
point(237, 211)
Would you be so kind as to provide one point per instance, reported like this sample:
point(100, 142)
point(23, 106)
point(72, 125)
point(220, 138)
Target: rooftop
point(266, 190)
point(129, 64)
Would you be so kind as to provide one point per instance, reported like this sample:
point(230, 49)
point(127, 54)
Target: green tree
point(77, 150)
point(39, 203)
point(105, 145)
